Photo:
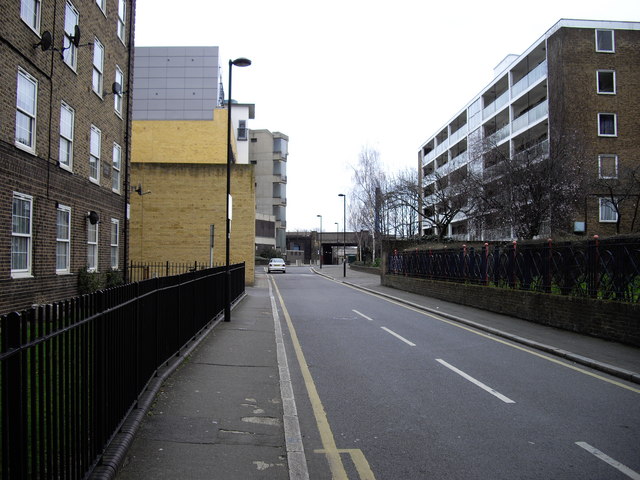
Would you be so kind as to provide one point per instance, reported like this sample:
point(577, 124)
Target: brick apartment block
point(64, 144)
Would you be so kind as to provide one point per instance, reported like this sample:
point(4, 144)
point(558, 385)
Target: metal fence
point(70, 372)
point(596, 268)
point(144, 270)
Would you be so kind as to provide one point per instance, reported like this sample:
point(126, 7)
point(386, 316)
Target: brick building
point(66, 67)
point(578, 85)
point(178, 162)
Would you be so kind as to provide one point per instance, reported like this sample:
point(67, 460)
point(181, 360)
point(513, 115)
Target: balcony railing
point(532, 77)
point(532, 116)
point(496, 105)
point(499, 135)
point(458, 134)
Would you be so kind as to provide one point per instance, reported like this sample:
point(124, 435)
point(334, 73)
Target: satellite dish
point(116, 88)
point(93, 217)
point(45, 42)
point(76, 36)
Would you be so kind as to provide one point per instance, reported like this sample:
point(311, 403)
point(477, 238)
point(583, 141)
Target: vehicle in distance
point(277, 265)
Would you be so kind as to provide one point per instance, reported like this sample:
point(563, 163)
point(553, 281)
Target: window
point(21, 219)
point(242, 130)
point(98, 66)
point(607, 125)
point(122, 15)
point(67, 117)
point(115, 231)
point(30, 13)
point(92, 246)
point(102, 4)
point(63, 239)
point(606, 81)
point(608, 213)
point(94, 154)
point(607, 166)
point(27, 95)
point(604, 41)
point(117, 165)
point(70, 51)
point(117, 96)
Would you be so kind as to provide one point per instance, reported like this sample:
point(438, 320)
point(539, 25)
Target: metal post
point(320, 239)
point(344, 235)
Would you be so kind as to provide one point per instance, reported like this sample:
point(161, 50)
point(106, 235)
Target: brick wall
point(172, 223)
point(609, 320)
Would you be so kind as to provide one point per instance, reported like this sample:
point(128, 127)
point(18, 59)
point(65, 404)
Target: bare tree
point(620, 186)
point(402, 203)
point(534, 191)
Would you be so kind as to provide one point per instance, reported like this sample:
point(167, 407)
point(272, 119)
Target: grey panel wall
point(175, 83)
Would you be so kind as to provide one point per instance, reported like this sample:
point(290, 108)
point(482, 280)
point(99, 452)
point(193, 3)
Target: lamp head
point(241, 62)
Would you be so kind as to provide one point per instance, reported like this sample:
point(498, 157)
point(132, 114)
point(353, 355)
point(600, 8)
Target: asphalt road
point(387, 392)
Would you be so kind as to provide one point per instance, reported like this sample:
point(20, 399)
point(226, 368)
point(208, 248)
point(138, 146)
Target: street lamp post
point(337, 237)
point(238, 62)
point(320, 238)
point(344, 235)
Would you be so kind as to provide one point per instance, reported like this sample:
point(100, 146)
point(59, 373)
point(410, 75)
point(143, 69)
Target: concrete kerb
point(580, 359)
point(115, 453)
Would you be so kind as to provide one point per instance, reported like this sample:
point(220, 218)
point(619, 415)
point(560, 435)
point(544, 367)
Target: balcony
point(495, 106)
point(499, 135)
point(528, 80)
point(532, 116)
point(458, 134)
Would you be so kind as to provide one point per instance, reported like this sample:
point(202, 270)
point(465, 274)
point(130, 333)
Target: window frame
point(615, 125)
point(102, 5)
point(63, 241)
point(93, 236)
point(613, 40)
point(604, 92)
point(22, 272)
point(95, 154)
point(118, 97)
point(63, 138)
point(37, 14)
point(98, 70)
point(115, 246)
point(121, 29)
point(70, 51)
point(117, 168)
point(601, 201)
point(607, 155)
point(32, 116)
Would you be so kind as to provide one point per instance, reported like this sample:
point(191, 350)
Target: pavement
point(220, 414)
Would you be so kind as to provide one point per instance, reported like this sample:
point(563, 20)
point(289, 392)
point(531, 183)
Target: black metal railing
point(71, 372)
point(144, 270)
point(605, 269)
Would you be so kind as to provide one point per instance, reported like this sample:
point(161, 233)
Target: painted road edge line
point(400, 337)
point(606, 458)
point(295, 450)
point(475, 382)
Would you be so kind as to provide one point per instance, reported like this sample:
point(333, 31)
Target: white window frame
point(31, 14)
point(70, 52)
point(63, 241)
point(117, 97)
point(604, 205)
point(122, 18)
point(28, 235)
point(607, 155)
point(92, 246)
point(117, 167)
point(615, 126)
point(115, 244)
point(66, 138)
point(613, 40)
point(602, 92)
point(102, 4)
point(26, 110)
point(95, 146)
point(97, 80)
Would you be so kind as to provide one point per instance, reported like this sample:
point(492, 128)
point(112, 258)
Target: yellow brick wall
point(172, 222)
point(181, 141)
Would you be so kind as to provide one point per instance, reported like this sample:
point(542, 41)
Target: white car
point(277, 265)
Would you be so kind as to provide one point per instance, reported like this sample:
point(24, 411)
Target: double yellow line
point(329, 447)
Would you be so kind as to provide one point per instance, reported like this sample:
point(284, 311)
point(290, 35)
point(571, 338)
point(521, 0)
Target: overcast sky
point(337, 76)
